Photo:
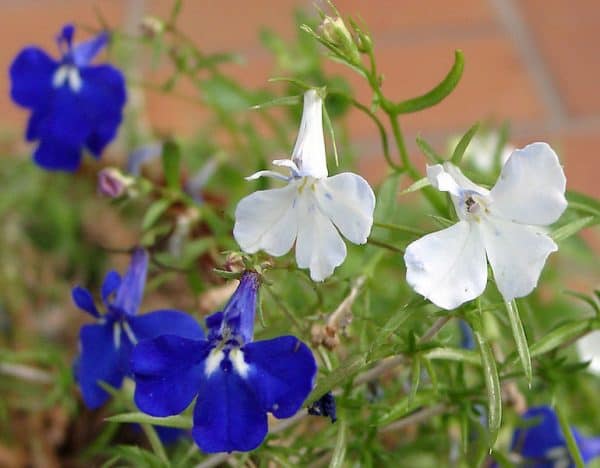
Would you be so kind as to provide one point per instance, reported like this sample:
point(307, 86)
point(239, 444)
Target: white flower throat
point(69, 74)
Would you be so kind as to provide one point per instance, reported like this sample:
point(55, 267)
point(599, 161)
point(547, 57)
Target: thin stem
point(400, 228)
point(30, 374)
point(155, 443)
point(416, 418)
point(384, 245)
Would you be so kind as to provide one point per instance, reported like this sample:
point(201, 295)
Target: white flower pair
point(311, 208)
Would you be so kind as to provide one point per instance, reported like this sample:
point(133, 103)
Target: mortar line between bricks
point(512, 20)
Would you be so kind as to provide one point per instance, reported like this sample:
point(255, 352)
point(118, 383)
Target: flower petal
point(165, 322)
point(517, 254)
point(448, 267)
point(168, 371)
point(537, 440)
point(228, 415)
point(31, 77)
point(267, 220)
point(131, 290)
point(319, 246)
point(57, 155)
point(282, 373)
point(309, 151)
point(84, 300)
point(84, 52)
point(100, 361)
point(111, 283)
point(588, 348)
point(348, 200)
point(531, 187)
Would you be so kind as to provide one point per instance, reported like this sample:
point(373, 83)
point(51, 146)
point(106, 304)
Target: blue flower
point(106, 345)
point(467, 340)
point(324, 406)
point(236, 381)
point(543, 445)
point(74, 104)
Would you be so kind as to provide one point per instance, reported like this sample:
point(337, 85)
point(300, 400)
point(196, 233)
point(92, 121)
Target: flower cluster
point(74, 104)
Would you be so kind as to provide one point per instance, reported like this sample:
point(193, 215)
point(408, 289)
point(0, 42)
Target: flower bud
point(152, 26)
point(335, 31)
point(112, 183)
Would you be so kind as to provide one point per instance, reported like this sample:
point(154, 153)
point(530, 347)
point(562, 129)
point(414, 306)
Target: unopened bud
point(335, 31)
point(152, 26)
point(112, 183)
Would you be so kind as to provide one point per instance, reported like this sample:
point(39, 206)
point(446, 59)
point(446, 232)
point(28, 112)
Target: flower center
point(67, 74)
point(474, 206)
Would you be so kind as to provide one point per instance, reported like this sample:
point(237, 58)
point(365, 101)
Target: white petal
point(319, 246)
point(531, 187)
point(267, 220)
point(517, 254)
point(589, 350)
point(272, 174)
point(448, 267)
point(309, 150)
point(348, 200)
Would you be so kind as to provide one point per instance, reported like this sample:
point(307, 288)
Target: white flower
point(449, 267)
point(311, 208)
point(589, 350)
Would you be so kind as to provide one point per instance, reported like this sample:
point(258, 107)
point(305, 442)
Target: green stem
point(571, 443)
point(155, 443)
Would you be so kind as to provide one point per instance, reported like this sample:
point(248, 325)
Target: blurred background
point(532, 62)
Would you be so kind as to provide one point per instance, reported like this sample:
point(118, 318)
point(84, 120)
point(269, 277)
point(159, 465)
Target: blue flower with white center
point(543, 445)
point(74, 104)
point(106, 345)
point(236, 381)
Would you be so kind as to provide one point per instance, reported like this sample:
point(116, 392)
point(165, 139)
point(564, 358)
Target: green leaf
point(171, 159)
point(387, 198)
point(418, 185)
point(395, 321)
point(567, 230)
point(429, 152)
point(154, 212)
point(559, 336)
point(454, 354)
point(438, 93)
point(329, 127)
point(579, 201)
point(405, 405)
point(568, 433)
point(520, 339)
point(280, 101)
point(589, 300)
point(182, 422)
point(344, 372)
point(492, 381)
point(461, 147)
point(415, 373)
point(339, 452)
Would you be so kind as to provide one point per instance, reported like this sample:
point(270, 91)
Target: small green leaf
point(154, 212)
point(438, 93)
point(429, 152)
point(561, 335)
point(405, 405)
point(415, 372)
point(520, 339)
point(344, 372)
point(579, 201)
point(454, 354)
point(589, 300)
point(280, 101)
point(568, 433)
point(418, 185)
point(395, 321)
point(179, 421)
point(461, 147)
point(492, 381)
point(171, 159)
point(339, 452)
point(567, 230)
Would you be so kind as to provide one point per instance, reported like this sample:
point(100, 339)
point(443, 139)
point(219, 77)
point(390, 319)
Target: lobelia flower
point(504, 224)
point(74, 104)
point(543, 445)
point(588, 348)
point(324, 406)
point(311, 208)
point(236, 380)
point(105, 347)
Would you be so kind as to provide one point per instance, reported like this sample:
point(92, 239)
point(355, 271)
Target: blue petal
point(31, 77)
point(65, 36)
point(142, 155)
point(100, 361)
point(111, 283)
point(131, 291)
point(228, 415)
point(84, 300)
point(84, 52)
point(165, 322)
point(467, 341)
point(282, 373)
point(239, 312)
point(167, 372)
point(34, 124)
point(57, 155)
point(535, 441)
point(169, 435)
point(588, 446)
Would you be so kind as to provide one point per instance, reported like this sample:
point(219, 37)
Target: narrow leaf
point(329, 127)
point(339, 452)
point(520, 339)
point(589, 300)
point(405, 406)
point(171, 159)
point(280, 101)
point(340, 375)
point(568, 433)
point(438, 93)
point(561, 335)
point(567, 230)
point(182, 422)
point(461, 147)
point(415, 378)
point(585, 203)
point(454, 354)
point(154, 212)
point(429, 152)
point(418, 185)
